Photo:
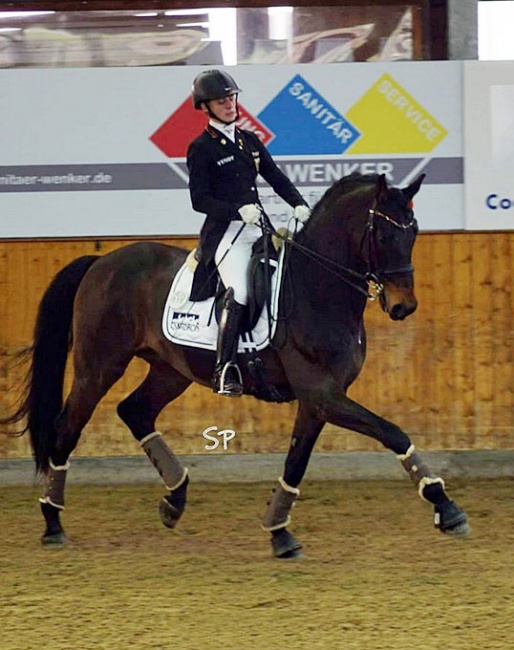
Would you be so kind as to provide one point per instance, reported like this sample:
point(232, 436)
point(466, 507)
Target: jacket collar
point(226, 130)
point(238, 145)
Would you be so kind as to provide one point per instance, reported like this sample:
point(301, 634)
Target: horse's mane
point(346, 185)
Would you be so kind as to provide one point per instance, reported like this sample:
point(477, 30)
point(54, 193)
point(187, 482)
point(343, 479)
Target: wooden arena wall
point(445, 374)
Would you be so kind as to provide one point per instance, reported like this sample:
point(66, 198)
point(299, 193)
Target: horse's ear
point(413, 188)
point(381, 189)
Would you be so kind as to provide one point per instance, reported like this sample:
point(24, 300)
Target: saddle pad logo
point(303, 121)
point(185, 124)
point(392, 121)
point(184, 322)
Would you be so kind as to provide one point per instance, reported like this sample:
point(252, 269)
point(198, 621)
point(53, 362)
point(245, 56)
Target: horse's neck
point(337, 228)
point(327, 287)
point(333, 248)
point(339, 239)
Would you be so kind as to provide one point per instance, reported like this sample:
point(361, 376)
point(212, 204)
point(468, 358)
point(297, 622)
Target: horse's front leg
point(305, 433)
point(340, 410)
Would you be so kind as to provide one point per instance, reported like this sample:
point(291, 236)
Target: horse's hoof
point(55, 540)
point(461, 530)
point(293, 554)
point(172, 506)
point(168, 513)
point(285, 546)
point(451, 520)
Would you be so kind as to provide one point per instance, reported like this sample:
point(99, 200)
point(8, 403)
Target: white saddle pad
point(194, 323)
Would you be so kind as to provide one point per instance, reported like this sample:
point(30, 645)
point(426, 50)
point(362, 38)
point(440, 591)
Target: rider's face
point(224, 109)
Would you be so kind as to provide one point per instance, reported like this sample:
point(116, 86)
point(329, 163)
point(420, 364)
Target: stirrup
point(230, 387)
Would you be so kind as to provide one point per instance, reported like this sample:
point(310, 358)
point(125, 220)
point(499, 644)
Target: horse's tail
point(42, 396)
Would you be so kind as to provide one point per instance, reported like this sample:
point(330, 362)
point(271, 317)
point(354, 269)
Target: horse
point(357, 244)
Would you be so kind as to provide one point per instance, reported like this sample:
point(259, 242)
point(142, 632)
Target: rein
point(372, 277)
point(327, 263)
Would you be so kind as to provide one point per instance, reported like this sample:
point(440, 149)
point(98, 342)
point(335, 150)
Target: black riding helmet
point(213, 84)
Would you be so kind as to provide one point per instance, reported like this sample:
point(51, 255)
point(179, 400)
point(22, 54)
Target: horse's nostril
point(398, 312)
point(401, 311)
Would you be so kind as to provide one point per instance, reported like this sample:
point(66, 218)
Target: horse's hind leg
point(139, 411)
point(86, 391)
point(52, 503)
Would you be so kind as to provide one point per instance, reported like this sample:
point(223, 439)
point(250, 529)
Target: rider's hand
point(250, 213)
point(302, 213)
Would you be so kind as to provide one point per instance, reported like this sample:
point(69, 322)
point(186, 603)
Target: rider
point(223, 164)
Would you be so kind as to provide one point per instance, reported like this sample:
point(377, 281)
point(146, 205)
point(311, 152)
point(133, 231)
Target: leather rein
point(372, 276)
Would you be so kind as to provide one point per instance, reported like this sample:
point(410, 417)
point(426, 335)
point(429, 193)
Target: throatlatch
point(53, 488)
point(171, 470)
point(277, 515)
point(420, 473)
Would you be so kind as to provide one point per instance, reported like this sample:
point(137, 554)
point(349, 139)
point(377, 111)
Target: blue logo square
point(305, 123)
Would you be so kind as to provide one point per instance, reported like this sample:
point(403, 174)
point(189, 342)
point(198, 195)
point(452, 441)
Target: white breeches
point(233, 268)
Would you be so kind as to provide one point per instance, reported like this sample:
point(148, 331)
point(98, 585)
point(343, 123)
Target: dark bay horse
point(361, 233)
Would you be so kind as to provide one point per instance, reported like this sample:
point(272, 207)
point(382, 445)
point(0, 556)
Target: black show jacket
point(222, 178)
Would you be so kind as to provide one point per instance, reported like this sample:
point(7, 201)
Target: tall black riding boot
point(227, 376)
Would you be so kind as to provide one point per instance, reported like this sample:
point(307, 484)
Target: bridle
point(373, 269)
point(372, 277)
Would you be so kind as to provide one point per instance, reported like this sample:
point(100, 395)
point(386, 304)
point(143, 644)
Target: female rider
point(223, 164)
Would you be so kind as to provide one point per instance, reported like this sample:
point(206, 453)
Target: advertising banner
point(102, 151)
point(489, 144)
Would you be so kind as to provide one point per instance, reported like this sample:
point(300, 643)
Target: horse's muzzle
point(398, 302)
